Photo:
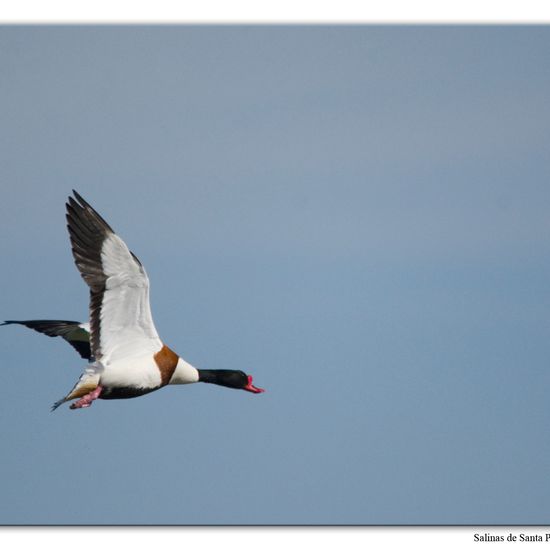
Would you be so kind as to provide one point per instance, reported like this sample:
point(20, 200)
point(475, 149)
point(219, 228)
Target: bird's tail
point(60, 402)
point(87, 383)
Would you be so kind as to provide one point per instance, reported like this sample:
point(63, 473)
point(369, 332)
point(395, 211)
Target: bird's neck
point(221, 377)
point(184, 373)
point(214, 376)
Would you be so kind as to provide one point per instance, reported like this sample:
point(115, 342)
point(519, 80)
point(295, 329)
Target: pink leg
point(87, 400)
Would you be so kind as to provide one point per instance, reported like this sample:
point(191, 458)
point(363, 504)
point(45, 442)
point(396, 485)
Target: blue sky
point(357, 216)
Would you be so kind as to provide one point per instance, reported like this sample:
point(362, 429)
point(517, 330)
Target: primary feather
point(75, 333)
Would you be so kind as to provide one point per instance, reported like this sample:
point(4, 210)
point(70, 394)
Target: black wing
point(87, 231)
point(72, 332)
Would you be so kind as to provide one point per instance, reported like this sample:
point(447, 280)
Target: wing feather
point(75, 333)
point(120, 315)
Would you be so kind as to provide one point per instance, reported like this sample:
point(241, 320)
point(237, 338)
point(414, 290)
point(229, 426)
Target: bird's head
point(239, 380)
point(235, 379)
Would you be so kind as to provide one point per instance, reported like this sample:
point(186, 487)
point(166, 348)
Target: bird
point(126, 357)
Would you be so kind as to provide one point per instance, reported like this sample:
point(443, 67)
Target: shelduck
point(126, 357)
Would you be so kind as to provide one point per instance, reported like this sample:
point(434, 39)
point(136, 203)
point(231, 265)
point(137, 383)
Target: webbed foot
point(88, 399)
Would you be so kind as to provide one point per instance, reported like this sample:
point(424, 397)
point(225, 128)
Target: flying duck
point(126, 357)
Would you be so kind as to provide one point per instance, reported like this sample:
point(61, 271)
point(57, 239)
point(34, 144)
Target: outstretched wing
point(75, 333)
point(121, 325)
